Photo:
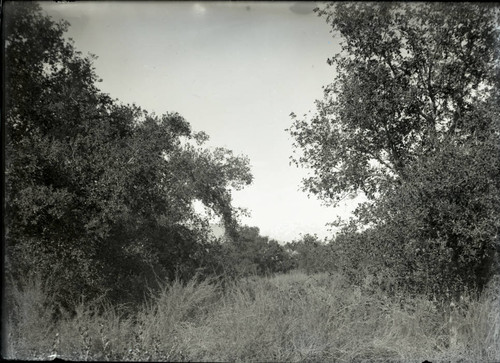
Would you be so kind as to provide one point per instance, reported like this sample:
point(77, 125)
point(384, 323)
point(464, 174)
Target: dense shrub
point(311, 255)
point(253, 254)
point(411, 120)
point(99, 195)
point(436, 233)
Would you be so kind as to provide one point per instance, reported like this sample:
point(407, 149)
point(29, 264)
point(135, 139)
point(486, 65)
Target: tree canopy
point(100, 195)
point(412, 121)
point(408, 76)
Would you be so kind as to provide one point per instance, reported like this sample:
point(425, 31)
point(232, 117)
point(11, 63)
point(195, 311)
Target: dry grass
point(292, 317)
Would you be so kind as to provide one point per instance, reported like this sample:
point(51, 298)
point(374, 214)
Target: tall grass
point(292, 317)
point(28, 316)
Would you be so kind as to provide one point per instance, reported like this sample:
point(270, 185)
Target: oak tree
point(412, 111)
point(100, 195)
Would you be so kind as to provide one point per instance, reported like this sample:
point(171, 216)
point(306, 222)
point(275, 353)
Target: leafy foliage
point(411, 120)
point(253, 254)
point(99, 195)
point(312, 255)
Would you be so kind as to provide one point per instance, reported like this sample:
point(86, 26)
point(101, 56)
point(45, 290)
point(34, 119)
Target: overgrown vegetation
point(287, 318)
point(107, 258)
point(99, 195)
point(412, 121)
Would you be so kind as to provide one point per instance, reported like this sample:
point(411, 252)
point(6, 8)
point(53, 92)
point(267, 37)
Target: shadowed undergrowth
point(291, 317)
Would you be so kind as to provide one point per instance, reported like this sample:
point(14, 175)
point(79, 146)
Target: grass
point(292, 317)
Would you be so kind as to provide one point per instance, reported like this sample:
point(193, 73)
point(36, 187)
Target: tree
point(253, 254)
point(312, 255)
point(99, 195)
point(415, 97)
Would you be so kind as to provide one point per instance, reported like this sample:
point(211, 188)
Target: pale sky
point(234, 70)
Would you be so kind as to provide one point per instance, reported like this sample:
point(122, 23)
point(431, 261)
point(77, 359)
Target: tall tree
point(99, 195)
point(413, 110)
point(408, 75)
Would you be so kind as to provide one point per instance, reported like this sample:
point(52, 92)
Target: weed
point(291, 317)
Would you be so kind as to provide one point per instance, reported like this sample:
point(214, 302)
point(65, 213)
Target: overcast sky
point(234, 70)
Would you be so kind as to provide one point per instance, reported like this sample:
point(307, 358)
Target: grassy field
point(292, 317)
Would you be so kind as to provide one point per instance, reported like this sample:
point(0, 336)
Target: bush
point(311, 255)
point(438, 231)
point(99, 193)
